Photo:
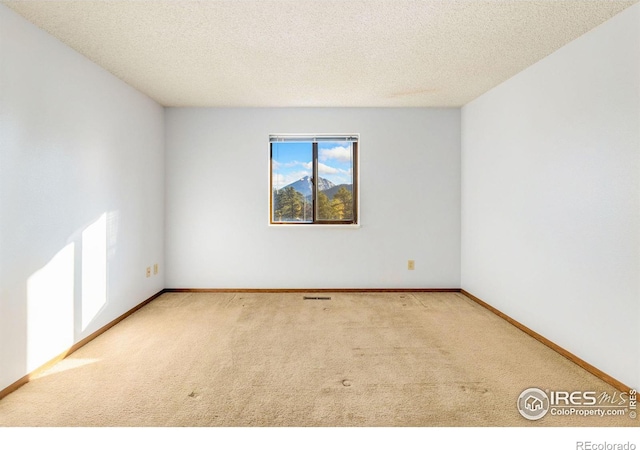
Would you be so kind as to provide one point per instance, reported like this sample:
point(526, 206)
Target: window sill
point(315, 225)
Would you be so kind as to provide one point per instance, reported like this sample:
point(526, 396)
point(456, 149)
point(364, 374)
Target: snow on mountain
point(303, 185)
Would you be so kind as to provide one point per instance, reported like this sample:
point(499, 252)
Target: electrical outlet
point(411, 264)
point(155, 269)
point(148, 272)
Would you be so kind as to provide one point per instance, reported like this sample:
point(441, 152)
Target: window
point(314, 179)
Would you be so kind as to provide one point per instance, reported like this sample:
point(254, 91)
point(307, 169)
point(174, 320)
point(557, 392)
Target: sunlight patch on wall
point(50, 293)
point(94, 269)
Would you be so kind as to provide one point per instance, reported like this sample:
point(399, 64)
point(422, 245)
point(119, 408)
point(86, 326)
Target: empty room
point(416, 213)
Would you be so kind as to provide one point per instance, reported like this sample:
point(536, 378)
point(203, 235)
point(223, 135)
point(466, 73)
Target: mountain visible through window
point(313, 180)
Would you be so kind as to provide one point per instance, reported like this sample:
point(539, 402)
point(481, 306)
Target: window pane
point(335, 181)
point(291, 174)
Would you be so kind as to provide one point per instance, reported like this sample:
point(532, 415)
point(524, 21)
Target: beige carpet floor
point(359, 359)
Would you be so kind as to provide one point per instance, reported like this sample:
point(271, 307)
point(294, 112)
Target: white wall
point(217, 203)
point(551, 197)
point(81, 197)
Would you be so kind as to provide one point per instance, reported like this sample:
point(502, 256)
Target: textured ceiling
point(316, 53)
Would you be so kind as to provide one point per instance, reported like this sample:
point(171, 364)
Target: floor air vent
point(310, 297)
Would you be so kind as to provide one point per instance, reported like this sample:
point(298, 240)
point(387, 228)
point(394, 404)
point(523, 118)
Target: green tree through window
point(288, 204)
point(313, 179)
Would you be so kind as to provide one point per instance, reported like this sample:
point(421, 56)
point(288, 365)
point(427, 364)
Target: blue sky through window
point(293, 161)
